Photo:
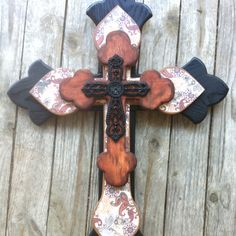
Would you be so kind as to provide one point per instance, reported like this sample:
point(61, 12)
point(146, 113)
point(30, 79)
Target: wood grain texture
point(71, 174)
point(31, 174)
point(11, 44)
point(71, 89)
point(189, 144)
point(161, 90)
point(118, 43)
point(93, 196)
point(116, 162)
point(221, 192)
point(201, 195)
point(158, 50)
point(74, 139)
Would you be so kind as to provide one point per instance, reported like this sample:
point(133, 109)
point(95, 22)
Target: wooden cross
point(117, 55)
point(172, 90)
point(119, 90)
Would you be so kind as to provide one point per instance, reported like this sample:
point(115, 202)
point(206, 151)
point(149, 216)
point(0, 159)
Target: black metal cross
point(115, 89)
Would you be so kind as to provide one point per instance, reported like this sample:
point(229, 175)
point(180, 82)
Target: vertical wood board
point(158, 49)
point(221, 192)
point(12, 17)
point(33, 152)
point(189, 143)
point(74, 138)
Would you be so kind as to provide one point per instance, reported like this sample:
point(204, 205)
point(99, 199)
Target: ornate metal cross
point(117, 56)
point(115, 120)
point(189, 90)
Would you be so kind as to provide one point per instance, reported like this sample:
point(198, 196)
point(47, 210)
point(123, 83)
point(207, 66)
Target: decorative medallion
point(115, 119)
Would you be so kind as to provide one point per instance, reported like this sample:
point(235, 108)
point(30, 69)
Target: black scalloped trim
point(19, 93)
point(215, 91)
point(140, 12)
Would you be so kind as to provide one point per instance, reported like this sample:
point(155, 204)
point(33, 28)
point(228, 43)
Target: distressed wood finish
point(74, 138)
point(221, 192)
point(11, 44)
point(94, 176)
point(71, 89)
point(185, 205)
point(118, 43)
point(33, 153)
point(185, 177)
point(161, 90)
point(117, 163)
point(158, 50)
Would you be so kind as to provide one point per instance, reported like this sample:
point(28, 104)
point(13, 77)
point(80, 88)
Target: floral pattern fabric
point(187, 90)
point(116, 213)
point(47, 93)
point(116, 20)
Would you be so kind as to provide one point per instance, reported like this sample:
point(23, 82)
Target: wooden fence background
point(186, 176)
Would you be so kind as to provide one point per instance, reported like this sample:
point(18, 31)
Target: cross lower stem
point(116, 213)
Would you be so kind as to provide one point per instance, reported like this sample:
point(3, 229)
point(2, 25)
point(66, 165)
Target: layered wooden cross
point(150, 91)
point(171, 90)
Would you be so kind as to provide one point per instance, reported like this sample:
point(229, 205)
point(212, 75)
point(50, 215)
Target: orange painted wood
point(116, 163)
point(118, 43)
point(161, 90)
point(71, 89)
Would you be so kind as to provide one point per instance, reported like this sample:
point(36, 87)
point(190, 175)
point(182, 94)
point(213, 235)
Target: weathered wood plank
point(189, 143)
point(74, 139)
point(221, 192)
point(74, 184)
point(159, 44)
point(12, 18)
point(71, 173)
point(94, 184)
point(34, 145)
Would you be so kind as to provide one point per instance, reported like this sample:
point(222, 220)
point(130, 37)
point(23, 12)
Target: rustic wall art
point(47, 92)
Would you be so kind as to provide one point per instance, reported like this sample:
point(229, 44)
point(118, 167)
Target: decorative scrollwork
point(95, 89)
point(115, 119)
point(115, 89)
point(136, 89)
point(115, 68)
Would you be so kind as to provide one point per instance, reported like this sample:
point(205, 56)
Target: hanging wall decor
point(116, 92)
